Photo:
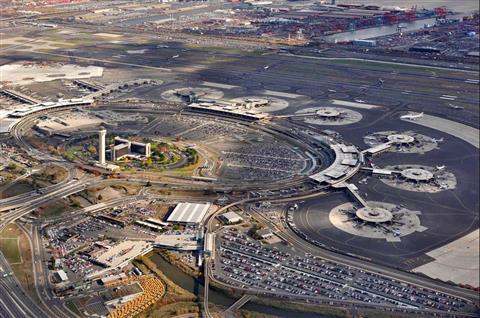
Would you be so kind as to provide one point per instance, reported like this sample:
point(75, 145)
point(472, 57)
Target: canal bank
point(216, 297)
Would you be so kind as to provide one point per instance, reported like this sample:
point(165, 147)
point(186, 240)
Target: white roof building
point(62, 275)
point(191, 213)
point(230, 217)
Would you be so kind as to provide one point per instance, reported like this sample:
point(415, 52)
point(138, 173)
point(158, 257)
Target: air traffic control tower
point(101, 146)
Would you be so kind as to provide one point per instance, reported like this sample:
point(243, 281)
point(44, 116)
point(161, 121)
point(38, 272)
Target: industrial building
point(61, 276)
point(230, 218)
point(189, 213)
point(264, 234)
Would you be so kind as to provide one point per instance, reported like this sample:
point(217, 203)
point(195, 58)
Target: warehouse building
point(230, 218)
point(189, 213)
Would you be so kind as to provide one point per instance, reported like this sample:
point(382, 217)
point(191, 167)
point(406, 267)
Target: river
point(363, 34)
point(462, 7)
point(196, 287)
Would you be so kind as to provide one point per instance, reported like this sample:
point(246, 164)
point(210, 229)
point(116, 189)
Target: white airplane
point(175, 56)
point(440, 167)
point(412, 116)
point(359, 100)
point(332, 90)
point(266, 67)
point(437, 140)
point(456, 107)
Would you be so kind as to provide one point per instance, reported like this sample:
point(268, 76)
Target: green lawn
point(9, 248)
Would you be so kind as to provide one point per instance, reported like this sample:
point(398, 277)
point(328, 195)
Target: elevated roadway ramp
point(375, 150)
point(20, 96)
point(88, 85)
point(237, 305)
point(353, 190)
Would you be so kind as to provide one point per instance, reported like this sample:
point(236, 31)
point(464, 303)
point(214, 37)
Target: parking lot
point(245, 263)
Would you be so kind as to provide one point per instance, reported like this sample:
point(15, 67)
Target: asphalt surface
point(319, 80)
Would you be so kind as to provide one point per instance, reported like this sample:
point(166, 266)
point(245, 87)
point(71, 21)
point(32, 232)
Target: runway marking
point(472, 81)
point(456, 261)
point(219, 85)
point(104, 61)
point(281, 94)
point(459, 130)
point(379, 62)
point(354, 104)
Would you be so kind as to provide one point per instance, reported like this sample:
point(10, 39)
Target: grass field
point(10, 244)
point(9, 248)
point(15, 247)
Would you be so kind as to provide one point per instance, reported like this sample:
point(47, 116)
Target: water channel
point(196, 287)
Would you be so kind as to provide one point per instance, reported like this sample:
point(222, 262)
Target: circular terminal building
point(260, 103)
point(327, 113)
point(403, 142)
point(417, 175)
point(401, 139)
point(190, 94)
point(377, 220)
point(419, 178)
point(329, 116)
point(374, 215)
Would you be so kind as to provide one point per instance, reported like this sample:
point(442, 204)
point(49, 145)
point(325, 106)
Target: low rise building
point(230, 218)
point(189, 213)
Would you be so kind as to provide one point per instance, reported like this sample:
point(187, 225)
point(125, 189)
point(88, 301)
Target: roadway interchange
point(22, 205)
point(16, 207)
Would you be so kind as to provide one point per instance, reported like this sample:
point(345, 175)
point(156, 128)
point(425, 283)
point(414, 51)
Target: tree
point(147, 162)
point(92, 149)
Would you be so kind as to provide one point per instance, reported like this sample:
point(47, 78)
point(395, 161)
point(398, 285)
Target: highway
point(24, 204)
point(289, 236)
point(14, 302)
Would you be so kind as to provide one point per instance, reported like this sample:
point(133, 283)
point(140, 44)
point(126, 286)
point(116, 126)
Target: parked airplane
point(456, 107)
point(440, 167)
point(412, 116)
point(359, 100)
point(437, 140)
